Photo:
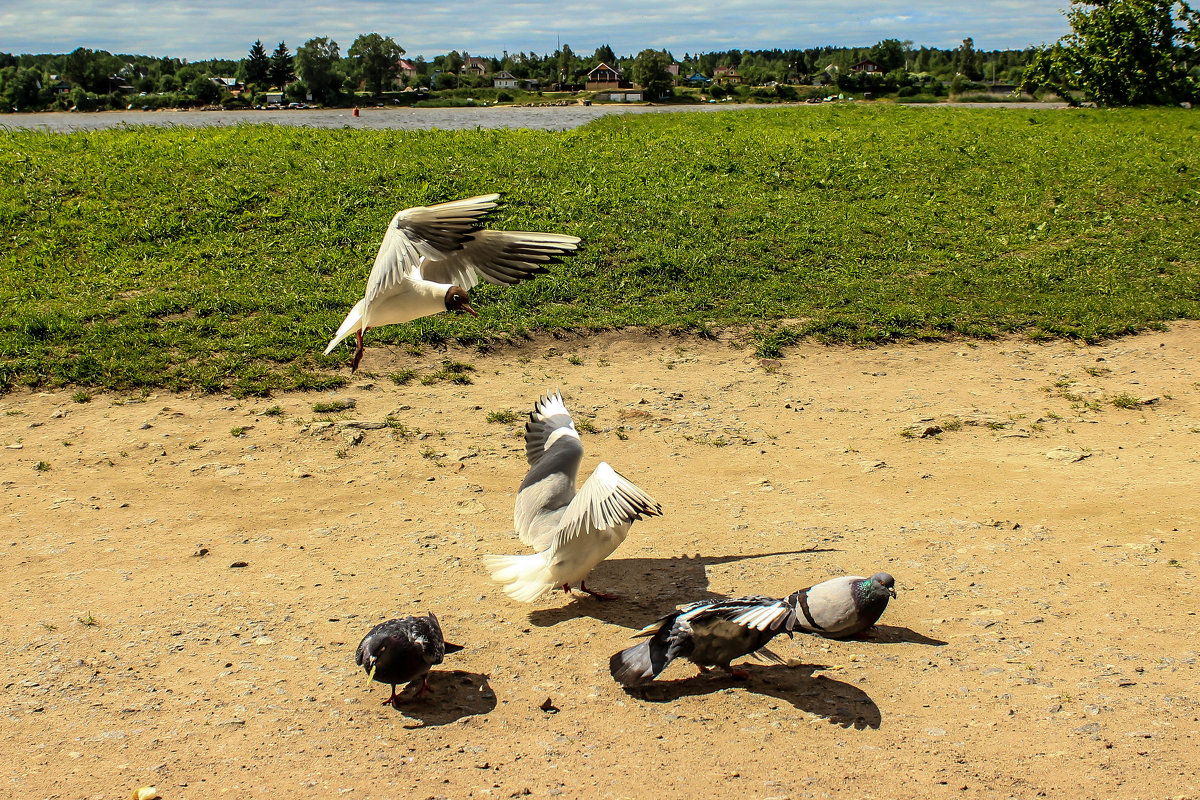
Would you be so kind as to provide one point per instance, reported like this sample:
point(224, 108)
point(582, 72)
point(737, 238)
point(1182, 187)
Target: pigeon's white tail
point(352, 323)
point(526, 578)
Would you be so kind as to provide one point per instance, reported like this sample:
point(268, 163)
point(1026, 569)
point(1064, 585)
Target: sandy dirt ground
point(186, 578)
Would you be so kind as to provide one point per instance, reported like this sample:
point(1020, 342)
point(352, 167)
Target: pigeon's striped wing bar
point(763, 616)
point(737, 610)
point(607, 500)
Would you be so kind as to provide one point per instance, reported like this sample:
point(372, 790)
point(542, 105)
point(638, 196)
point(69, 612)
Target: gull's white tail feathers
point(525, 578)
point(352, 323)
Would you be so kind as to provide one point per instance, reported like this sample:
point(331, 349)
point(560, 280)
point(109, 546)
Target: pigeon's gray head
point(458, 301)
point(881, 584)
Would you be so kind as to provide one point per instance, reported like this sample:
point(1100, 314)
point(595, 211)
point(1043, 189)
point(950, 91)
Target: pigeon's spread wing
point(425, 232)
point(499, 257)
point(607, 500)
point(763, 616)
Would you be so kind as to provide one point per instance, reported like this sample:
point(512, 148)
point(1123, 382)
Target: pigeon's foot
point(598, 595)
point(424, 690)
point(566, 587)
point(739, 673)
point(392, 701)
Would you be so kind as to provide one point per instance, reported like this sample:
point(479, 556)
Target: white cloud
point(227, 28)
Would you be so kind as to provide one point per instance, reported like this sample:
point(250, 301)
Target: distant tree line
point(319, 72)
point(1121, 52)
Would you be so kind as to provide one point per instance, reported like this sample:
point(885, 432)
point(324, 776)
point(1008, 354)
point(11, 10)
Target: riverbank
point(544, 118)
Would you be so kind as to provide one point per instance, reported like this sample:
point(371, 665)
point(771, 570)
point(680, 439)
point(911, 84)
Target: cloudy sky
point(226, 28)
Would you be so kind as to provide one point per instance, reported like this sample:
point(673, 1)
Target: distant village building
point(473, 65)
point(602, 76)
point(231, 85)
point(866, 65)
point(505, 80)
point(727, 74)
point(406, 67)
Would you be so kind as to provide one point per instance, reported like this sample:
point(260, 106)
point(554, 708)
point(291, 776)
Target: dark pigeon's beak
point(892, 591)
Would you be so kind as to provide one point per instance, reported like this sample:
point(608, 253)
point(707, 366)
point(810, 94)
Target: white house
point(505, 80)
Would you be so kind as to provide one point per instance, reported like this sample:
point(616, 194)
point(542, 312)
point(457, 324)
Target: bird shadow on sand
point(841, 703)
point(454, 694)
point(646, 588)
point(893, 634)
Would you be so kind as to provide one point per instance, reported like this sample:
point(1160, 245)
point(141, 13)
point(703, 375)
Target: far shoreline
point(537, 117)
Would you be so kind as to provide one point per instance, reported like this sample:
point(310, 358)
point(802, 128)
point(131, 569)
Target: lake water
point(545, 118)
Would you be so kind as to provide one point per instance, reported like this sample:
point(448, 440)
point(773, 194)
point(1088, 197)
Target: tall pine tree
point(281, 66)
point(258, 65)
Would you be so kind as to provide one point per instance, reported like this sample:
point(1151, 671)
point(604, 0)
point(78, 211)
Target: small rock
point(238, 565)
point(932, 430)
point(1067, 455)
point(301, 472)
point(549, 707)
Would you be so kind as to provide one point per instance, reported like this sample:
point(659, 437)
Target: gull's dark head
point(458, 301)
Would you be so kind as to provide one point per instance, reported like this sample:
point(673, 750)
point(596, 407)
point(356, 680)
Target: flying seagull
point(571, 532)
point(431, 256)
point(714, 632)
point(402, 651)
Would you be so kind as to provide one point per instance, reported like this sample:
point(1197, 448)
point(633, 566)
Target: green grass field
point(224, 258)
